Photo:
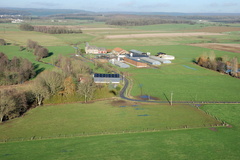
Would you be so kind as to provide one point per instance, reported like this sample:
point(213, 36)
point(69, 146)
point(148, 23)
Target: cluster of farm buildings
point(123, 58)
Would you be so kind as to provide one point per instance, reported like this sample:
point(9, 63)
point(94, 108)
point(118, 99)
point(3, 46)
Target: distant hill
point(175, 13)
point(49, 12)
point(42, 12)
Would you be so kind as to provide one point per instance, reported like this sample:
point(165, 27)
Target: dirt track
point(220, 46)
point(162, 35)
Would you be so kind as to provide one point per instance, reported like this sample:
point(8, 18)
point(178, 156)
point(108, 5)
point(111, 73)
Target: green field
point(187, 81)
point(209, 143)
point(54, 51)
point(107, 130)
point(102, 117)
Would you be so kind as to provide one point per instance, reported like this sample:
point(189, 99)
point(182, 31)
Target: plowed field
point(217, 29)
point(162, 35)
point(223, 47)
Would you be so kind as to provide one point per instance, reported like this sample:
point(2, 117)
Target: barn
point(135, 53)
point(151, 61)
point(165, 61)
point(119, 51)
point(106, 78)
point(135, 62)
point(119, 64)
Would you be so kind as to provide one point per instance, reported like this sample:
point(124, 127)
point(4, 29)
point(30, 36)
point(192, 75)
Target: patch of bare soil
point(154, 35)
point(220, 46)
point(217, 29)
point(213, 129)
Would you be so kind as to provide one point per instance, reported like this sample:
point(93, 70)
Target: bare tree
point(39, 90)
point(53, 80)
point(69, 86)
point(12, 103)
point(7, 104)
point(2, 42)
point(87, 89)
point(234, 66)
point(212, 61)
point(31, 44)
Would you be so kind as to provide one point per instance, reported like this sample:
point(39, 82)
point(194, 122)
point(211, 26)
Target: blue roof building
point(106, 78)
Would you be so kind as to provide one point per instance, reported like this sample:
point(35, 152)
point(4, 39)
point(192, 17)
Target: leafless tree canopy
point(15, 71)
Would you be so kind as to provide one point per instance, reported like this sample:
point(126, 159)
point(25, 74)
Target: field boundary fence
point(102, 133)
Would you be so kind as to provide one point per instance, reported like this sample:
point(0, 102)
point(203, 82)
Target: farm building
point(135, 62)
point(106, 78)
point(165, 61)
point(119, 51)
point(150, 61)
point(135, 53)
point(94, 50)
point(168, 57)
point(165, 56)
point(121, 57)
point(161, 54)
point(119, 64)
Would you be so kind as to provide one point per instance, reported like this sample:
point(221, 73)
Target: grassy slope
point(102, 117)
point(12, 51)
point(197, 144)
point(196, 84)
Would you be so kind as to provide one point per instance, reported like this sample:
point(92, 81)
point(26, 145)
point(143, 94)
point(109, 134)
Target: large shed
point(135, 53)
point(150, 61)
point(106, 78)
point(119, 64)
point(165, 61)
point(135, 62)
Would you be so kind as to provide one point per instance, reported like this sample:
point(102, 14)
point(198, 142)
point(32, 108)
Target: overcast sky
point(187, 6)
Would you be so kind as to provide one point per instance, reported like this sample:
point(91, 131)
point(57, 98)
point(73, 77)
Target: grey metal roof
point(160, 59)
point(151, 61)
point(121, 65)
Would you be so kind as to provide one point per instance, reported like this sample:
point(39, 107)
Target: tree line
point(48, 29)
point(144, 21)
point(15, 71)
point(13, 103)
point(38, 50)
point(221, 64)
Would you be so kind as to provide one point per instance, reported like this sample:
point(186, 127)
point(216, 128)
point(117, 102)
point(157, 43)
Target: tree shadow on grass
point(37, 69)
point(50, 54)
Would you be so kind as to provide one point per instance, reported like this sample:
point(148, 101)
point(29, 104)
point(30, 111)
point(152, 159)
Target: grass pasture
point(55, 51)
point(187, 81)
point(207, 143)
point(12, 51)
point(113, 130)
point(103, 117)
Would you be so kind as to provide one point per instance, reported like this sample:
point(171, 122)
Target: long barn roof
point(103, 75)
